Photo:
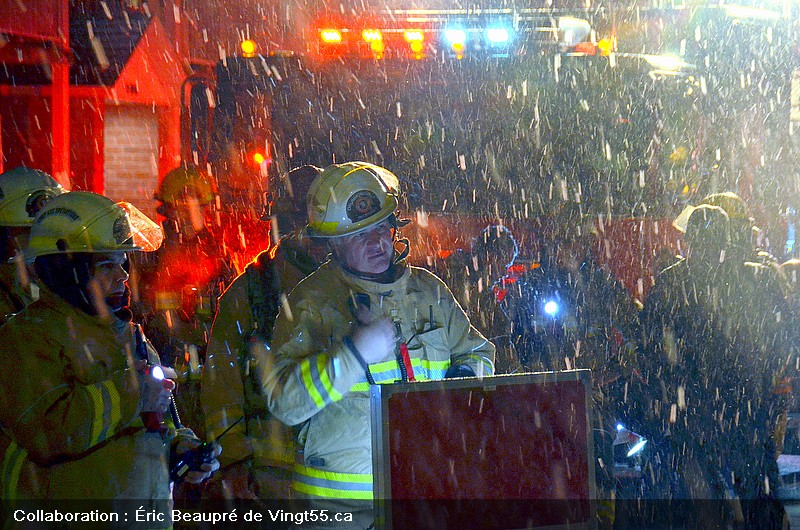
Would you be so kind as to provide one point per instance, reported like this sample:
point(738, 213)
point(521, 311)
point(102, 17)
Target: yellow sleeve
point(47, 410)
point(313, 368)
point(222, 388)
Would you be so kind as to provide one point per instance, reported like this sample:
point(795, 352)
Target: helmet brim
point(331, 232)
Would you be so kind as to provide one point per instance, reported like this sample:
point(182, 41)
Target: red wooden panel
point(517, 453)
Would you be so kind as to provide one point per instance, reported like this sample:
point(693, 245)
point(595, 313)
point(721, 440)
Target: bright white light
point(551, 308)
point(670, 63)
point(497, 35)
point(158, 372)
point(638, 447)
point(455, 36)
point(620, 426)
point(573, 30)
point(750, 13)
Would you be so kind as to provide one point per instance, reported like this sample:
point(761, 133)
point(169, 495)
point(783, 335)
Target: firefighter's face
point(370, 251)
point(110, 274)
point(190, 212)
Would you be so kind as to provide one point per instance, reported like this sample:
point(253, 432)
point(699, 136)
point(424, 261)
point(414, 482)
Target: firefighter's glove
point(157, 387)
point(375, 342)
point(203, 462)
point(373, 336)
point(459, 370)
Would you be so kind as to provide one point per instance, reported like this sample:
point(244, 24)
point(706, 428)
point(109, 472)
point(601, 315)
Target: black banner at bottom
point(398, 515)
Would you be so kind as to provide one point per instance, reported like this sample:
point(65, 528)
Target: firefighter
point(569, 312)
point(179, 284)
point(491, 254)
point(480, 281)
point(79, 382)
point(23, 192)
point(259, 453)
point(364, 317)
point(716, 342)
point(742, 227)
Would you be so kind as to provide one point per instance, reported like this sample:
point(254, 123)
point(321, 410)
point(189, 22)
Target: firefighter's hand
point(156, 389)
point(376, 341)
point(209, 465)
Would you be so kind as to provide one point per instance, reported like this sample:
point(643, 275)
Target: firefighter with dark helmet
point(179, 284)
point(711, 322)
point(364, 317)
point(82, 388)
point(259, 453)
point(23, 192)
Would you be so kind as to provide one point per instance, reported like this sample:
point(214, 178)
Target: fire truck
point(503, 114)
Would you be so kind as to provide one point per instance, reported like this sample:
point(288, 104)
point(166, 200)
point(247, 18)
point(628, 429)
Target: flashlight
point(157, 372)
point(551, 308)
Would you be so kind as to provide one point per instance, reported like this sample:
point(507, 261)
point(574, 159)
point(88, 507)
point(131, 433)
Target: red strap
point(407, 361)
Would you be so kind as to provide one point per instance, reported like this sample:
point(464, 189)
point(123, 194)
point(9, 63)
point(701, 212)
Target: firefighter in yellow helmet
point(742, 225)
point(743, 228)
point(364, 317)
point(179, 284)
point(23, 192)
point(259, 453)
point(82, 397)
point(711, 322)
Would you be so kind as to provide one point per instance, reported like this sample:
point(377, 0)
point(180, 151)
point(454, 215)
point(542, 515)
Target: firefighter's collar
point(401, 274)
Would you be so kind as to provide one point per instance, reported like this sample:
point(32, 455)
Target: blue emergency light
point(455, 36)
point(497, 36)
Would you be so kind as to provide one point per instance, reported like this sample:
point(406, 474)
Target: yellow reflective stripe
point(12, 466)
point(360, 387)
point(116, 412)
point(317, 382)
point(328, 484)
point(327, 384)
point(488, 367)
point(427, 369)
point(305, 370)
point(97, 413)
point(325, 228)
point(385, 366)
point(385, 372)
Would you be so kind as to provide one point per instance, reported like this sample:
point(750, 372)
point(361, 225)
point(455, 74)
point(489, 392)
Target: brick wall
point(131, 155)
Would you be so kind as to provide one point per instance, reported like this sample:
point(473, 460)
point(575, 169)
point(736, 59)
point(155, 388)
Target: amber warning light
point(248, 48)
point(330, 36)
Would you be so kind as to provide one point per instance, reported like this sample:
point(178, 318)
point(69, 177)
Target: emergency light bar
point(455, 32)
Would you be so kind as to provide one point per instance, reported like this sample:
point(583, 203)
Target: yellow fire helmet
point(81, 221)
point(348, 198)
point(23, 192)
point(182, 181)
point(730, 202)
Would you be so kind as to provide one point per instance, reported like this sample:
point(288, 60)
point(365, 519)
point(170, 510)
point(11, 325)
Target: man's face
point(110, 275)
point(190, 212)
point(370, 251)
